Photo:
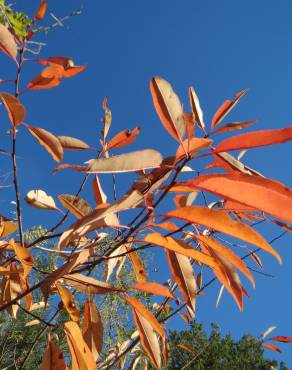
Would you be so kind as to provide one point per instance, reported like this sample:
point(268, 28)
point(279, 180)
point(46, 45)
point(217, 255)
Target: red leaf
point(255, 139)
point(225, 108)
point(219, 220)
point(234, 126)
point(282, 339)
point(16, 111)
point(272, 347)
point(40, 14)
point(259, 193)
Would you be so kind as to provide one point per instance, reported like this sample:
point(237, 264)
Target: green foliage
point(17, 21)
point(215, 351)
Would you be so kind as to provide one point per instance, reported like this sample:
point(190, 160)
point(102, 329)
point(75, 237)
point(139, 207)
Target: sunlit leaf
point(178, 246)
point(24, 257)
point(67, 299)
point(149, 339)
point(77, 206)
point(142, 310)
point(82, 357)
point(123, 138)
point(7, 42)
point(137, 263)
point(219, 220)
point(53, 358)
point(153, 288)
point(92, 328)
point(263, 194)
point(168, 108)
point(192, 146)
point(71, 143)
point(234, 126)
point(225, 108)
point(40, 14)
point(255, 139)
point(129, 162)
point(99, 195)
point(16, 111)
point(49, 141)
point(228, 254)
point(40, 199)
point(184, 276)
point(89, 285)
point(196, 109)
point(272, 347)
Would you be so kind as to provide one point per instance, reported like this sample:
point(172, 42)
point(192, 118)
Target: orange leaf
point(219, 220)
point(228, 254)
point(266, 195)
point(53, 358)
point(7, 42)
point(99, 195)
point(77, 206)
point(122, 139)
point(225, 108)
point(49, 141)
point(139, 269)
point(75, 261)
point(98, 218)
point(282, 339)
point(168, 108)
point(148, 338)
point(40, 14)
point(192, 146)
point(255, 139)
point(82, 357)
point(92, 329)
point(184, 276)
point(67, 300)
point(178, 246)
point(71, 143)
point(89, 285)
point(196, 109)
point(153, 288)
point(24, 257)
point(234, 126)
point(11, 288)
point(142, 310)
point(272, 347)
point(50, 77)
point(16, 111)
point(186, 348)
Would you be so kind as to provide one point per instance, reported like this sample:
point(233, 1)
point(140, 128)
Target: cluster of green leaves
point(194, 349)
point(18, 21)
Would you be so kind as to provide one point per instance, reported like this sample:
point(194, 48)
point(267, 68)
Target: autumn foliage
point(187, 233)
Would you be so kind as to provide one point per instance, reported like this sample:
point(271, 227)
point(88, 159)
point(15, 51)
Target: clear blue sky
point(219, 47)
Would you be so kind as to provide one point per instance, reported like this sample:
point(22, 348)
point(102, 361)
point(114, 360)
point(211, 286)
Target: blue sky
point(219, 47)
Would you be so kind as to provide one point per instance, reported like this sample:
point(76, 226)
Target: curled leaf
point(196, 109)
point(40, 199)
